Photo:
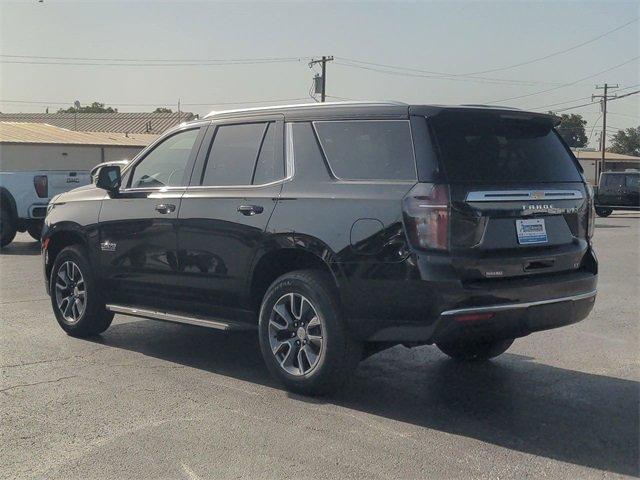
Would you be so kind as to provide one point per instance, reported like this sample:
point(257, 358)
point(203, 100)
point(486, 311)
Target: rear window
point(368, 149)
point(614, 180)
point(488, 148)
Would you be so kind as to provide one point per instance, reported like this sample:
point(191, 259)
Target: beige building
point(38, 146)
point(613, 162)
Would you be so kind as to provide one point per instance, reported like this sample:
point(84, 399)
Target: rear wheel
point(475, 349)
point(603, 212)
point(8, 227)
point(75, 297)
point(35, 230)
point(303, 339)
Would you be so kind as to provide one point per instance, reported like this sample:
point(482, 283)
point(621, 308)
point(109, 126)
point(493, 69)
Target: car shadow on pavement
point(513, 402)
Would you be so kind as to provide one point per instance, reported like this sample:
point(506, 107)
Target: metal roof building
point(104, 122)
point(38, 146)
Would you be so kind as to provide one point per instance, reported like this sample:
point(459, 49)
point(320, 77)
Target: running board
point(177, 318)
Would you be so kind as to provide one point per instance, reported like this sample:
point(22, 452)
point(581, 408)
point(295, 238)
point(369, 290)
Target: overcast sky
point(452, 38)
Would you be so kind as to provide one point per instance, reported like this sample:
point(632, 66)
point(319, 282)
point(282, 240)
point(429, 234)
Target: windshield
point(488, 148)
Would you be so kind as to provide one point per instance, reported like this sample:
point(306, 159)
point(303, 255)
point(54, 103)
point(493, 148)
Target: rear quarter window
point(368, 149)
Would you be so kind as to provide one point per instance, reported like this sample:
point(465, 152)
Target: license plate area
point(531, 231)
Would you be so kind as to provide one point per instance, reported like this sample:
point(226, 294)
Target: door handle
point(250, 210)
point(165, 208)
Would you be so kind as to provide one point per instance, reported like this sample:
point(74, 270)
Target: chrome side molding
point(515, 306)
point(177, 318)
point(523, 195)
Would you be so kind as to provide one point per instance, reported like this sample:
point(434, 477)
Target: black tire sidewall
point(336, 360)
point(604, 212)
point(9, 227)
point(95, 318)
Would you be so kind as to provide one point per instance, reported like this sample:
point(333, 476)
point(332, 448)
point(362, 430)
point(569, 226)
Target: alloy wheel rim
point(71, 294)
point(296, 334)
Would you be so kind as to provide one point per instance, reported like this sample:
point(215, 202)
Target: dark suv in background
point(618, 191)
point(336, 230)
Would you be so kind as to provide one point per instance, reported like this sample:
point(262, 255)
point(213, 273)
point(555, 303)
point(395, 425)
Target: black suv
point(336, 230)
point(618, 191)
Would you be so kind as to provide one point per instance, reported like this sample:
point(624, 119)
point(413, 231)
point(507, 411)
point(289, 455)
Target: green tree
point(95, 107)
point(163, 110)
point(572, 129)
point(626, 142)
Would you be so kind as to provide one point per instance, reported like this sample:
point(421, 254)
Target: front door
point(224, 214)
point(137, 226)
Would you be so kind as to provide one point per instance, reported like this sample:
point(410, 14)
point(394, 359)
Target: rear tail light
point(41, 184)
point(474, 317)
point(426, 216)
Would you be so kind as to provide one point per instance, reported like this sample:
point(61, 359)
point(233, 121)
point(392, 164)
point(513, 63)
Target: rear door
point(518, 202)
point(632, 190)
point(612, 189)
point(225, 211)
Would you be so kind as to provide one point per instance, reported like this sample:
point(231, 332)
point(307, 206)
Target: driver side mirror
point(109, 178)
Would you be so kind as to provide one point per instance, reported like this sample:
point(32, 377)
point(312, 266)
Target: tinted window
point(165, 165)
point(615, 180)
point(632, 180)
point(268, 168)
point(233, 154)
point(368, 150)
point(488, 148)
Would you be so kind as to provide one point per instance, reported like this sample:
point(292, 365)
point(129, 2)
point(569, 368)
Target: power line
point(470, 74)
point(180, 64)
point(453, 78)
point(578, 99)
point(594, 103)
point(117, 104)
point(566, 84)
point(560, 52)
point(154, 60)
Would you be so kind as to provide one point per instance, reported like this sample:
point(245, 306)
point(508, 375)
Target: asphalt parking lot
point(155, 400)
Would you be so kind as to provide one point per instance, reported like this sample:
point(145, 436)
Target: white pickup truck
point(24, 196)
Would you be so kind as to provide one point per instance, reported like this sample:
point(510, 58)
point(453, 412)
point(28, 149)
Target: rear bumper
point(431, 307)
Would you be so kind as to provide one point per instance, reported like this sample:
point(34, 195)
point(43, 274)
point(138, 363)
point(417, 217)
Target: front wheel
point(475, 349)
point(303, 339)
point(603, 212)
point(75, 297)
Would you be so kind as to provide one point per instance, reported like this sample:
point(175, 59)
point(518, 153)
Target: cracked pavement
point(151, 400)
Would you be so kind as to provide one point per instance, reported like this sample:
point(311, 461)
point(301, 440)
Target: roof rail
point(306, 105)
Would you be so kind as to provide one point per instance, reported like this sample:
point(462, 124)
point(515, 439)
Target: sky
point(453, 39)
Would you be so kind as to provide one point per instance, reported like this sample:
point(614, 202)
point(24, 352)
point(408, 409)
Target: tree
point(626, 142)
point(95, 107)
point(163, 110)
point(572, 130)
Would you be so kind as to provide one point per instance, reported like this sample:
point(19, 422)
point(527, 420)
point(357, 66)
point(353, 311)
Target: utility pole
point(323, 78)
point(603, 138)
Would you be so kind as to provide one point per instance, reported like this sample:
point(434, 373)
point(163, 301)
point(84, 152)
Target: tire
point(8, 227)
point(325, 354)
point(70, 268)
point(475, 349)
point(35, 230)
point(603, 212)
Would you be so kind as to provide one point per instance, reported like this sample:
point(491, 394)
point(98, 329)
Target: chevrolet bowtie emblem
point(537, 195)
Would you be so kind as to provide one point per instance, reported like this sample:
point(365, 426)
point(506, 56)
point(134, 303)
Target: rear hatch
point(518, 203)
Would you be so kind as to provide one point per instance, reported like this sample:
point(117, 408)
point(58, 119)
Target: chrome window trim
point(516, 306)
point(371, 180)
point(528, 195)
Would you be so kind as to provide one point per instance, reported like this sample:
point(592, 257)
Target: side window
point(232, 156)
point(632, 180)
point(268, 167)
point(615, 180)
point(165, 165)
point(368, 149)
